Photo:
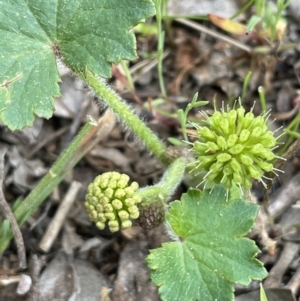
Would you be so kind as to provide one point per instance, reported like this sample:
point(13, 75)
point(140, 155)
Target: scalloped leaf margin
point(210, 252)
point(82, 33)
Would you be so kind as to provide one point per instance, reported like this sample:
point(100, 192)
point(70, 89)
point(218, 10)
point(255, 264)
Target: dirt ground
point(82, 262)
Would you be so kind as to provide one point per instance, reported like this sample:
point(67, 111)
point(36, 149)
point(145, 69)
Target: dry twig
point(60, 217)
point(4, 207)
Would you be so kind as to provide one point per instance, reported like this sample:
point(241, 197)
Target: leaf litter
point(83, 258)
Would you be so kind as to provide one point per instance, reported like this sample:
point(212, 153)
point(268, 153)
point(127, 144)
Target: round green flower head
point(110, 199)
point(234, 148)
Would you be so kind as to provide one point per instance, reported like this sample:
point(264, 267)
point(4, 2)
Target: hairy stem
point(130, 119)
point(166, 187)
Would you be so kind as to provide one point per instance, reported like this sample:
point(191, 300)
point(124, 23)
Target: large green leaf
point(210, 252)
point(83, 33)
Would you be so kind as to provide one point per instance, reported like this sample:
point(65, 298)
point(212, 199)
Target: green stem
point(53, 177)
point(56, 174)
point(166, 187)
point(262, 98)
point(160, 46)
point(245, 85)
point(127, 74)
point(293, 126)
point(126, 115)
point(173, 176)
point(244, 8)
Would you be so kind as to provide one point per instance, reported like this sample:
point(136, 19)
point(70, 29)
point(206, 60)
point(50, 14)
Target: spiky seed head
point(234, 148)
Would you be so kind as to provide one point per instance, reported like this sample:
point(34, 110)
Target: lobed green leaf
point(210, 253)
point(83, 33)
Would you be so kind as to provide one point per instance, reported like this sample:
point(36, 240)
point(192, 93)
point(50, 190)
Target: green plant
point(209, 251)
point(111, 199)
point(234, 147)
point(268, 20)
point(263, 296)
point(266, 25)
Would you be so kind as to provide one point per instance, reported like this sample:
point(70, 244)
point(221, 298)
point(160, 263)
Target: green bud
point(109, 193)
point(216, 118)
point(212, 146)
point(133, 209)
point(101, 217)
point(248, 119)
point(134, 215)
point(117, 204)
point(256, 132)
point(265, 165)
point(241, 114)
point(244, 135)
point(237, 149)
point(237, 178)
point(113, 184)
point(99, 208)
point(224, 125)
point(110, 215)
point(108, 208)
point(129, 191)
point(216, 167)
point(93, 214)
point(207, 134)
point(247, 183)
point(227, 170)
point(137, 198)
point(123, 215)
point(268, 155)
point(123, 181)
point(257, 122)
point(100, 225)
point(221, 142)
point(207, 160)
point(200, 147)
point(268, 140)
point(232, 139)
point(246, 159)
point(120, 193)
point(255, 172)
point(134, 186)
point(104, 200)
point(129, 202)
point(223, 157)
point(232, 115)
point(97, 191)
point(111, 199)
point(93, 200)
point(126, 224)
point(104, 183)
point(212, 175)
point(113, 226)
point(236, 166)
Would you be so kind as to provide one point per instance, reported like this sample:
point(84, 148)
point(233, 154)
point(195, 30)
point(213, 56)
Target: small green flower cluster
point(110, 199)
point(234, 148)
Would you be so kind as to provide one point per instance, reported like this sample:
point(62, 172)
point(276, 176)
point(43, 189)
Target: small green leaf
point(175, 141)
point(83, 33)
point(263, 296)
point(254, 20)
point(211, 252)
